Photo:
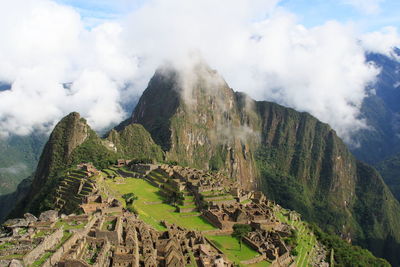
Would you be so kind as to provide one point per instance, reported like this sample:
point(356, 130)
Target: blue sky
point(309, 12)
point(316, 12)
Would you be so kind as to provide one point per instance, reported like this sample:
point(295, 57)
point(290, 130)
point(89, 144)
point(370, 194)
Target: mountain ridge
point(294, 158)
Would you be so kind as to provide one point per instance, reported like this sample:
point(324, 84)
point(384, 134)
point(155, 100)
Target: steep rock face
point(197, 121)
point(68, 134)
point(311, 157)
point(297, 160)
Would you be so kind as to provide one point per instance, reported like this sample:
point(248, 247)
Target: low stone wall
point(216, 248)
point(48, 243)
point(16, 250)
point(111, 210)
point(102, 257)
point(217, 232)
point(222, 202)
point(254, 260)
point(283, 260)
point(251, 244)
point(186, 210)
point(114, 237)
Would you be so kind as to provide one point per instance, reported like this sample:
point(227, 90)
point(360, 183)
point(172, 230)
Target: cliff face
point(297, 160)
point(68, 134)
point(198, 121)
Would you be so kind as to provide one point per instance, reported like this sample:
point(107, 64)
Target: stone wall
point(48, 243)
point(102, 257)
point(254, 260)
point(113, 236)
point(56, 257)
point(283, 260)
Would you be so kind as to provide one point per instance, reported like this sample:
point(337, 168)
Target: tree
point(129, 198)
point(240, 231)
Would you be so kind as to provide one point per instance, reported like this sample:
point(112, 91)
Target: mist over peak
point(258, 48)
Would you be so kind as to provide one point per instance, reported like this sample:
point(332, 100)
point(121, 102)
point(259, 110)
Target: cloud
point(14, 169)
point(256, 45)
point(320, 70)
point(383, 41)
point(366, 6)
point(44, 45)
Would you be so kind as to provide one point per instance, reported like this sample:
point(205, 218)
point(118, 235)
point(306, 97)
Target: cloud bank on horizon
point(56, 64)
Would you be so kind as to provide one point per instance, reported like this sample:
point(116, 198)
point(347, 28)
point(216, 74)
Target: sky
point(95, 56)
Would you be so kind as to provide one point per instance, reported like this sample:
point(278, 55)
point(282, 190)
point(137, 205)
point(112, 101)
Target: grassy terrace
point(13, 256)
point(231, 248)
point(149, 208)
point(67, 226)
point(305, 240)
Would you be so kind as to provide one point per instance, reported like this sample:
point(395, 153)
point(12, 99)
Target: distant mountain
point(18, 159)
point(380, 144)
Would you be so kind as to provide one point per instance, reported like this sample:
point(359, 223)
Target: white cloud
point(14, 169)
point(366, 6)
point(43, 45)
point(321, 70)
point(382, 41)
point(258, 47)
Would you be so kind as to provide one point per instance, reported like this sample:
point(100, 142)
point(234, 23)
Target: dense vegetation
point(390, 171)
point(133, 141)
point(92, 150)
point(345, 254)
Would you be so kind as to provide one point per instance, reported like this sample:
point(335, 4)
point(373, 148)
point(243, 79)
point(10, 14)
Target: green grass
point(187, 206)
point(41, 260)
point(305, 244)
point(107, 224)
point(259, 264)
point(305, 240)
point(231, 248)
point(69, 227)
point(153, 214)
point(13, 256)
point(6, 245)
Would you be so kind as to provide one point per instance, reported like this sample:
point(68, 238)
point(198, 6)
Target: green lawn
point(231, 248)
point(154, 213)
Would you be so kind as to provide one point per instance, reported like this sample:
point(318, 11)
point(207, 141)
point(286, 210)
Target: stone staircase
point(72, 190)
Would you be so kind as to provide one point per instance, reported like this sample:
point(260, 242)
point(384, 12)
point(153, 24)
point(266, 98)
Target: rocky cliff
point(297, 160)
point(203, 124)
